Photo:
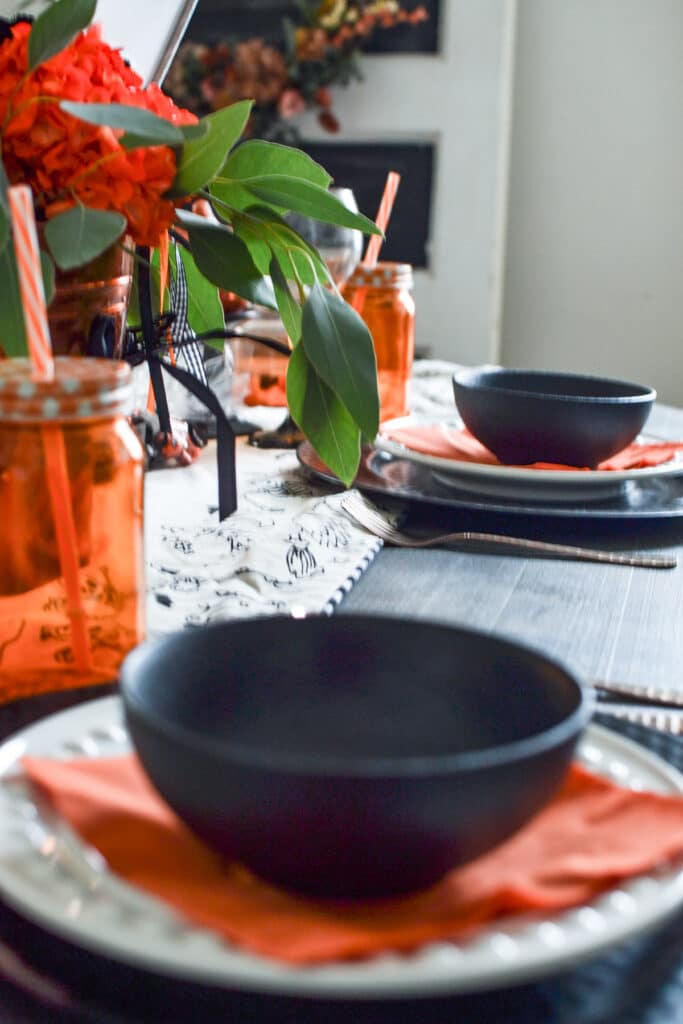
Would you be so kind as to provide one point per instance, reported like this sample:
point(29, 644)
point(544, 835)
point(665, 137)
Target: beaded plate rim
point(48, 875)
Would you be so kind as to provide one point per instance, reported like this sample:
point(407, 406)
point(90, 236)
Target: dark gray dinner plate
point(383, 475)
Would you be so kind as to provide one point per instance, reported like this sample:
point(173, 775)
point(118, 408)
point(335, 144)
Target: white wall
point(460, 100)
point(594, 268)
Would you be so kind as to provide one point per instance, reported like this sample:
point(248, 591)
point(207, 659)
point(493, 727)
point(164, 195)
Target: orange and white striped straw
point(31, 281)
point(374, 245)
point(382, 220)
point(54, 447)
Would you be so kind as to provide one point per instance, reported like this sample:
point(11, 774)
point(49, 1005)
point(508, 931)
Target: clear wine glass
point(339, 246)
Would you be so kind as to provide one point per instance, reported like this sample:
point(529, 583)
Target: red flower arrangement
point(107, 158)
point(66, 160)
point(286, 79)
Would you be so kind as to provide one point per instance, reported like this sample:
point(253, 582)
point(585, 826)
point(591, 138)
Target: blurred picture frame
point(148, 33)
point(216, 19)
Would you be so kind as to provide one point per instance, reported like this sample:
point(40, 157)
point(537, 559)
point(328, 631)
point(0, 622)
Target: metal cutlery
point(19, 973)
point(669, 721)
point(652, 706)
point(363, 513)
point(627, 693)
point(55, 999)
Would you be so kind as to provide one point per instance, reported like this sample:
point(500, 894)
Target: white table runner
point(288, 545)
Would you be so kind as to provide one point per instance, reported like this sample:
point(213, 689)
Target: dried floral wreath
point(285, 77)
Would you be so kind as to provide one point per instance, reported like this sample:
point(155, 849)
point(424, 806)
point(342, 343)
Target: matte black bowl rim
point(471, 379)
point(361, 766)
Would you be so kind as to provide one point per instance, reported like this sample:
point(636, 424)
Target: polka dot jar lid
point(84, 388)
point(382, 275)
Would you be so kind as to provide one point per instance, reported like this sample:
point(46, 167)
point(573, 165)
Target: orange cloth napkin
point(591, 836)
point(267, 389)
point(448, 443)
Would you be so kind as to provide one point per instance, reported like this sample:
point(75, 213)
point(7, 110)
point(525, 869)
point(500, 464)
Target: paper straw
point(67, 540)
point(31, 281)
point(374, 245)
point(40, 350)
point(382, 220)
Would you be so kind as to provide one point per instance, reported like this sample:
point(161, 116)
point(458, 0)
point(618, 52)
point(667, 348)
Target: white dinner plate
point(520, 481)
point(55, 880)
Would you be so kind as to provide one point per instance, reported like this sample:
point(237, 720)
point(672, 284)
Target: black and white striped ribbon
point(182, 336)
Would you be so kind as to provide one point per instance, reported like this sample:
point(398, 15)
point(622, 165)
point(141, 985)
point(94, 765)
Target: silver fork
point(654, 718)
point(357, 508)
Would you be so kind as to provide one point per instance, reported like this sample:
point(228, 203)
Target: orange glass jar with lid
point(382, 294)
point(62, 629)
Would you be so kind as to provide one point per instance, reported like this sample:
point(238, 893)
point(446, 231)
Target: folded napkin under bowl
point(528, 416)
point(350, 757)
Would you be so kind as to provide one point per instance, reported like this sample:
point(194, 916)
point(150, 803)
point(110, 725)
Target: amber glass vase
point(86, 295)
point(42, 619)
point(383, 296)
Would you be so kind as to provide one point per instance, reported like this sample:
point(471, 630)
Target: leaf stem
point(212, 199)
point(134, 253)
point(272, 343)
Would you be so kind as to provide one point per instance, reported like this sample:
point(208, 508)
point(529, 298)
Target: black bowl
point(526, 416)
point(350, 757)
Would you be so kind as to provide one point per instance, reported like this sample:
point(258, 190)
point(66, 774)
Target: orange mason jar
point(383, 296)
point(82, 412)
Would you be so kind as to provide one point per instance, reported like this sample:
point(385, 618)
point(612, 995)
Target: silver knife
point(665, 696)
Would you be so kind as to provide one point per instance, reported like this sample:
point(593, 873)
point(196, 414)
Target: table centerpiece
point(114, 164)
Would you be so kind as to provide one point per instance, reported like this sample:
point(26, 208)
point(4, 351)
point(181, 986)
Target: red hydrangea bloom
point(65, 160)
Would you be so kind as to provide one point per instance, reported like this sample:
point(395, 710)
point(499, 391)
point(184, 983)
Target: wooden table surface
point(607, 622)
point(611, 622)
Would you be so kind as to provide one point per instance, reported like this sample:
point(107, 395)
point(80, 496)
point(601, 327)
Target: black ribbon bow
point(225, 436)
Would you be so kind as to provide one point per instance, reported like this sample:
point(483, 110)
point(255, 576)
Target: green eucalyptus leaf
point(253, 236)
point(311, 200)
point(204, 308)
point(257, 157)
point(4, 228)
point(189, 219)
point(12, 332)
point(194, 131)
point(142, 127)
point(224, 259)
point(299, 260)
point(284, 262)
point(296, 264)
point(201, 159)
point(289, 308)
point(4, 185)
point(56, 27)
point(4, 208)
point(309, 265)
point(47, 268)
point(339, 346)
point(322, 417)
point(82, 233)
point(133, 309)
point(232, 194)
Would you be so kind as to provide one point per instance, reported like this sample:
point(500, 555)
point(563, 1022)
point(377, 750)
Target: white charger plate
point(520, 482)
point(52, 878)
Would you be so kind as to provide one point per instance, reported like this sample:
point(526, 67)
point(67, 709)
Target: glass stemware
point(339, 246)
